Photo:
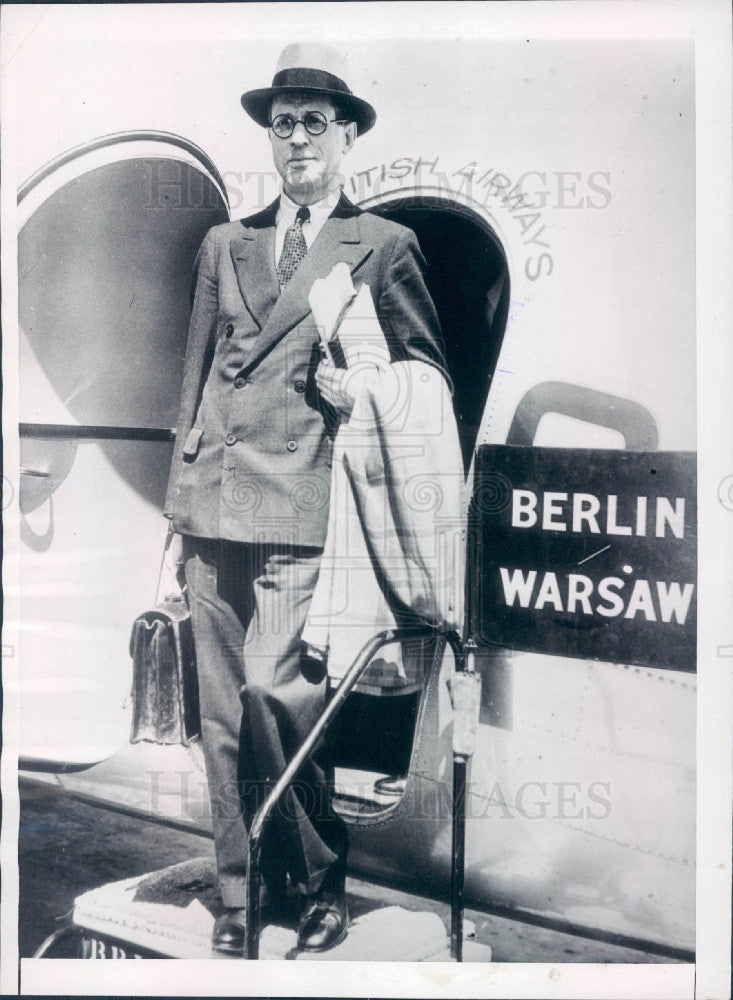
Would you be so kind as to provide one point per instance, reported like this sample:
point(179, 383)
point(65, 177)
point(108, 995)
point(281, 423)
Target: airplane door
point(108, 235)
point(468, 279)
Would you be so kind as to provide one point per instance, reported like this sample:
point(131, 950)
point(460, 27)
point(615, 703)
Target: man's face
point(309, 164)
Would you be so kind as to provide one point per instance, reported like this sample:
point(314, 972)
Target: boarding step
point(170, 914)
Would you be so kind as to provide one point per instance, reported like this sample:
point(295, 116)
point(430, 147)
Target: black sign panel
point(585, 553)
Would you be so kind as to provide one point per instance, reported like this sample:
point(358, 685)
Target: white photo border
point(710, 25)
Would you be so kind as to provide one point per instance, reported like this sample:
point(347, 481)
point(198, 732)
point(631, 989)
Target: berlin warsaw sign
point(586, 553)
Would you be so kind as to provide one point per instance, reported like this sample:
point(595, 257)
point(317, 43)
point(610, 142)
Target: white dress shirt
point(286, 212)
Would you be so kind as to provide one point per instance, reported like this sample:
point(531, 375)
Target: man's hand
point(173, 575)
point(333, 385)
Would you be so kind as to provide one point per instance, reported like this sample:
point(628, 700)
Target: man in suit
point(250, 477)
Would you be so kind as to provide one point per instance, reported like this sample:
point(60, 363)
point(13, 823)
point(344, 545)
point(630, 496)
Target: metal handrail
point(53, 939)
point(465, 661)
point(357, 668)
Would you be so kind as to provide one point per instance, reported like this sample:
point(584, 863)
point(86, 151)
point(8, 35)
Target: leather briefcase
point(165, 685)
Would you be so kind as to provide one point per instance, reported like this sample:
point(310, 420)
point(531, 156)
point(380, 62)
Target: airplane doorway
point(468, 279)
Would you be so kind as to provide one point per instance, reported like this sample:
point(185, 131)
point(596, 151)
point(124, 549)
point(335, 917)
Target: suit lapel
point(253, 257)
point(338, 240)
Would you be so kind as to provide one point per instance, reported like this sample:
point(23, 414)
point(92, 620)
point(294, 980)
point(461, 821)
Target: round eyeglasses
point(314, 122)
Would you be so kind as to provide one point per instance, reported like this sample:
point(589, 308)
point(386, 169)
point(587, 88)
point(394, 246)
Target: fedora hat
point(317, 69)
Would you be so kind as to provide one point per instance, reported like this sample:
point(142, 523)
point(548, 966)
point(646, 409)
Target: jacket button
point(229, 329)
point(239, 381)
point(230, 439)
point(292, 446)
point(299, 385)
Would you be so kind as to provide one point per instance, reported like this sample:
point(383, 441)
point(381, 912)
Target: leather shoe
point(392, 785)
point(324, 921)
point(229, 928)
point(228, 934)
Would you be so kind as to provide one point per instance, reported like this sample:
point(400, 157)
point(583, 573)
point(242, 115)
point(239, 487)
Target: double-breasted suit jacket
point(254, 439)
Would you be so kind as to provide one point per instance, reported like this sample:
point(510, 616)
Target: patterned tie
point(294, 247)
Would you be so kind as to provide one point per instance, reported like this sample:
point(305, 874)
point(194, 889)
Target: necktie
point(294, 247)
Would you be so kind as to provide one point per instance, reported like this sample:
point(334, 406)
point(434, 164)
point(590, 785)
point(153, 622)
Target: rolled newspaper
point(329, 298)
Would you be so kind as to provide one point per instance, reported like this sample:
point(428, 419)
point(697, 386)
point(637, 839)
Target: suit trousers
point(260, 697)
